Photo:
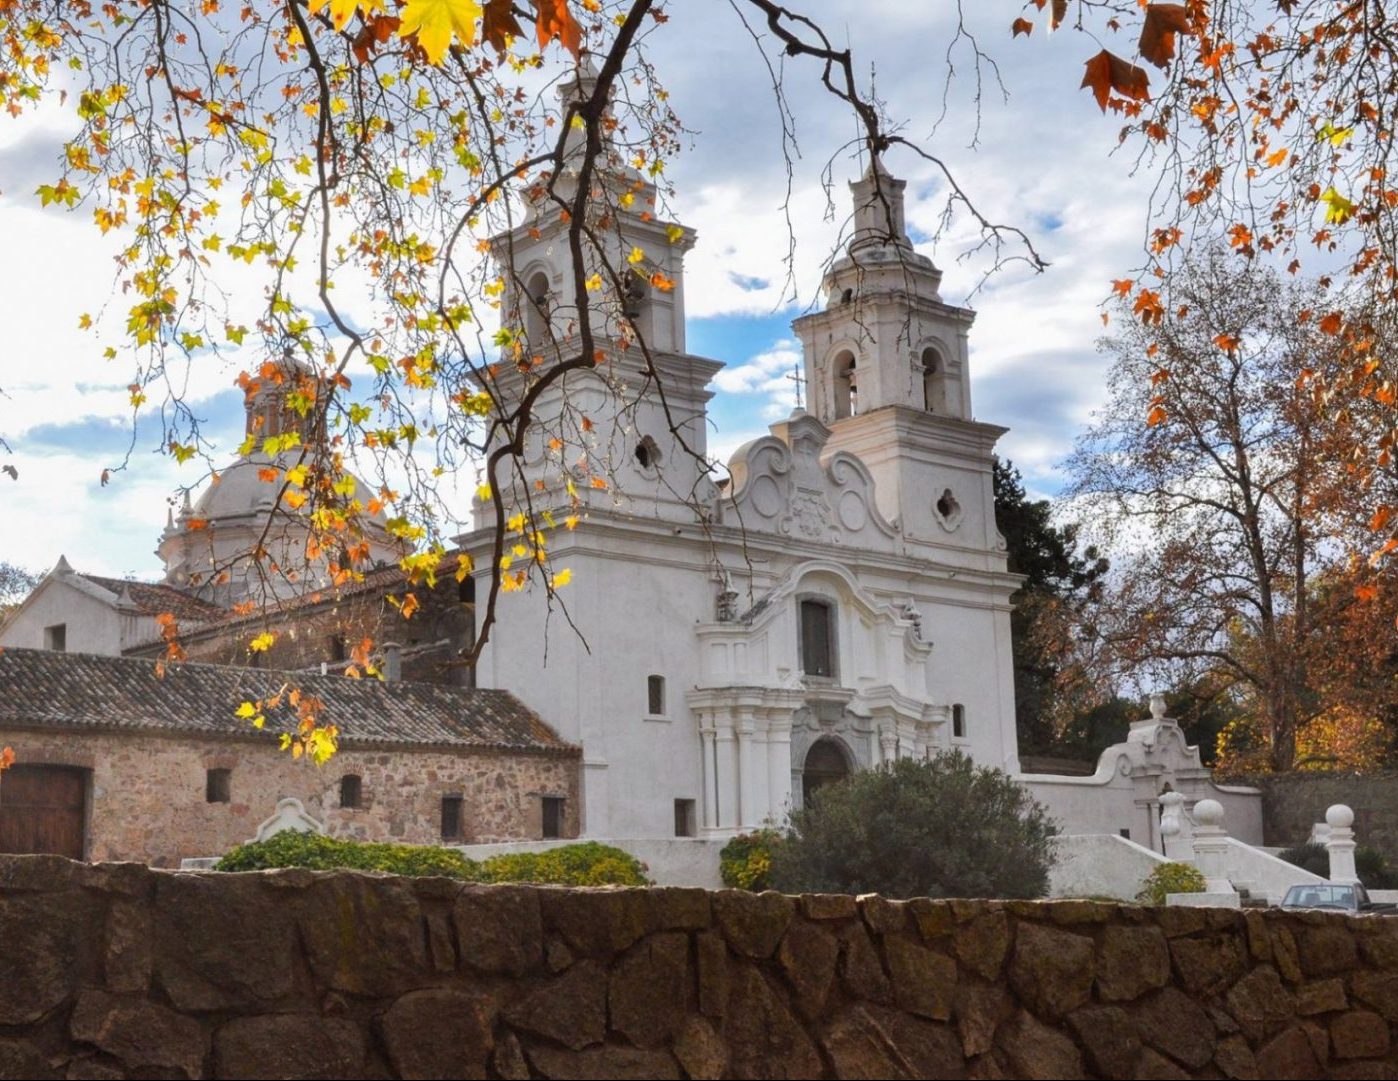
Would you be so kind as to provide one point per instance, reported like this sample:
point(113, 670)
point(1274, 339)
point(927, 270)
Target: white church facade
point(842, 600)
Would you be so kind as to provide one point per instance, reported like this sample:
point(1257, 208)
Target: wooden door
point(42, 809)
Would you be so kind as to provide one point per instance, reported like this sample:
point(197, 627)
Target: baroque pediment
point(781, 485)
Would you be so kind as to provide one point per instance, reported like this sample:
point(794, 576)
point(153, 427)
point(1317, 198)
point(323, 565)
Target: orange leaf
point(1331, 323)
point(1060, 12)
point(1156, 415)
point(556, 21)
point(410, 605)
point(1123, 287)
point(1366, 593)
point(197, 523)
point(1227, 342)
point(599, 482)
point(374, 33)
point(1021, 26)
point(1163, 21)
point(1381, 517)
point(1106, 72)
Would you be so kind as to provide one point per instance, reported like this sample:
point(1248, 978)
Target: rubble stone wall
point(123, 971)
point(146, 793)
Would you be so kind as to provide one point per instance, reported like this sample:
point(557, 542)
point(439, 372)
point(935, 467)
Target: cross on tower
point(799, 378)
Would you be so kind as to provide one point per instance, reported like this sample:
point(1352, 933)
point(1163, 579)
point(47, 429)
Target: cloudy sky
point(1043, 162)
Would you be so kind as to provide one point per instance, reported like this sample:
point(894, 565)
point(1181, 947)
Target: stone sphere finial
point(1157, 706)
point(1208, 812)
point(1339, 817)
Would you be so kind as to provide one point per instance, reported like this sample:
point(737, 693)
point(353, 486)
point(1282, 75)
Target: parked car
point(1336, 898)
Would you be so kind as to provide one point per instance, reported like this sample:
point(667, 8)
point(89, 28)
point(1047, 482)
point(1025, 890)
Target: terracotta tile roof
point(81, 691)
point(152, 598)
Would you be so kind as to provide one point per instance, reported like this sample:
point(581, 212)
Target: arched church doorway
point(826, 763)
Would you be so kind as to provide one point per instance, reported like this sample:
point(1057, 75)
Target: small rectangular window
point(958, 722)
point(337, 647)
point(684, 818)
point(1125, 833)
point(452, 819)
point(218, 786)
point(351, 791)
point(817, 655)
point(655, 696)
point(56, 637)
point(553, 816)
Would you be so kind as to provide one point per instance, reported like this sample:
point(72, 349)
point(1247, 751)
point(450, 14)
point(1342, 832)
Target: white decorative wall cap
point(1339, 817)
point(1208, 813)
point(289, 815)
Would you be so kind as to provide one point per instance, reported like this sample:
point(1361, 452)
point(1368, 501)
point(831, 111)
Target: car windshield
point(1320, 895)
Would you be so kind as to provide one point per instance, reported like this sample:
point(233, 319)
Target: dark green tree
point(1061, 584)
point(940, 827)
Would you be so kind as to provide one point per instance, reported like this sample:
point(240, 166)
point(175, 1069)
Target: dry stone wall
point(123, 971)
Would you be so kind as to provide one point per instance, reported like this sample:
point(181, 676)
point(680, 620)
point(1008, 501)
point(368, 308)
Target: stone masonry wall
point(120, 971)
point(146, 796)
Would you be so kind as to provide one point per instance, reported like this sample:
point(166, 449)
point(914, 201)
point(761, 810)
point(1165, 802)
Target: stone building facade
point(115, 763)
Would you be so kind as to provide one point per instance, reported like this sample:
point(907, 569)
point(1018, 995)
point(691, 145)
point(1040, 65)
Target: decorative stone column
point(779, 767)
point(1211, 846)
point(1176, 829)
point(706, 763)
point(1340, 844)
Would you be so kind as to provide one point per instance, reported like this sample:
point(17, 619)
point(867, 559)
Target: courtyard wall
point(123, 971)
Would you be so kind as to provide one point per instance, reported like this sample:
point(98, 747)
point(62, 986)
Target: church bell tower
point(887, 364)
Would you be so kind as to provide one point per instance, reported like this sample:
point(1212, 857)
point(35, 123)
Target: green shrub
point(1370, 864)
point(939, 827)
point(587, 864)
point(745, 863)
point(1170, 878)
point(291, 848)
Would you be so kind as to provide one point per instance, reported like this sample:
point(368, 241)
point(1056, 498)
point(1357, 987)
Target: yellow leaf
point(262, 642)
point(483, 493)
point(435, 22)
point(636, 256)
point(246, 710)
point(674, 233)
point(1338, 209)
point(341, 11)
point(563, 577)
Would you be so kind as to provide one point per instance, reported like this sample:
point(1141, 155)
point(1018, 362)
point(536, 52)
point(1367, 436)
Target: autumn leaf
point(1227, 342)
point(1106, 72)
point(1338, 209)
point(499, 24)
point(1123, 287)
point(1330, 324)
point(7, 758)
point(262, 643)
point(563, 577)
point(374, 33)
point(1381, 518)
point(1163, 22)
point(341, 11)
point(435, 22)
point(1156, 415)
point(556, 21)
point(1021, 26)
